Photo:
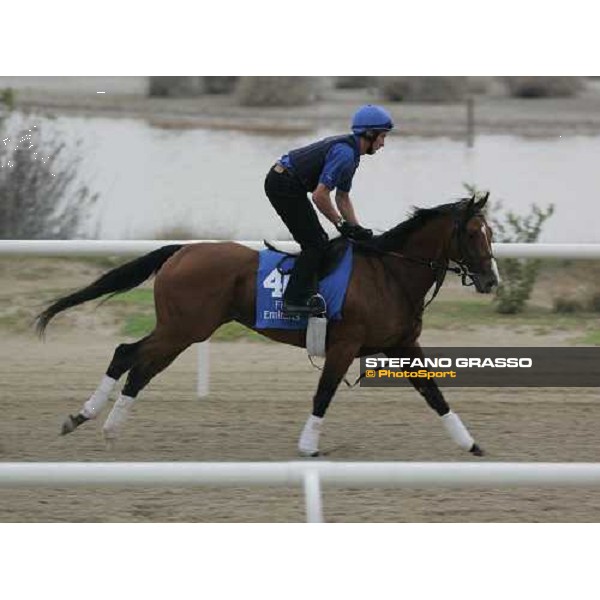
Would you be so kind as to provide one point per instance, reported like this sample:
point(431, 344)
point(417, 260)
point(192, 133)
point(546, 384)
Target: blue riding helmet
point(371, 118)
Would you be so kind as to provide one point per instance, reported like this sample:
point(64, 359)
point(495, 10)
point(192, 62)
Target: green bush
point(518, 275)
point(276, 91)
point(424, 89)
point(544, 87)
point(7, 98)
point(358, 82)
point(219, 85)
point(175, 87)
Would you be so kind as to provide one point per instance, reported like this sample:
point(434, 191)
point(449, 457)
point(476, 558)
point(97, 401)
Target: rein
point(440, 268)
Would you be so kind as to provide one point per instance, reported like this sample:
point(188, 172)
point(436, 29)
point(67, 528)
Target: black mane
point(396, 237)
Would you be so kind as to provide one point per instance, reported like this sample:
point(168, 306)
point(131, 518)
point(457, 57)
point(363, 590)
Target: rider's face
point(378, 142)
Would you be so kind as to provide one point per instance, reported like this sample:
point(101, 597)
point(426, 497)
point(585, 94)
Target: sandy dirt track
point(261, 395)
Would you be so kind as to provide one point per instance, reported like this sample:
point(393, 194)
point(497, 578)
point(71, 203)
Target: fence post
point(202, 385)
point(312, 496)
point(470, 121)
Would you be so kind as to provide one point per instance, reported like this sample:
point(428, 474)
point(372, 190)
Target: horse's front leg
point(429, 389)
point(338, 359)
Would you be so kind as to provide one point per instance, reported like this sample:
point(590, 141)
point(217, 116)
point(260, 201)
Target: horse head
point(471, 245)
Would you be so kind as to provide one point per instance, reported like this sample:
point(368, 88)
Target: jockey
point(318, 169)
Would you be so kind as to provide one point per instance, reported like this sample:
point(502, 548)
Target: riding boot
point(300, 295)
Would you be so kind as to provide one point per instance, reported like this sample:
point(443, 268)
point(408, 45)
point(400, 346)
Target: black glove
point(355, 232)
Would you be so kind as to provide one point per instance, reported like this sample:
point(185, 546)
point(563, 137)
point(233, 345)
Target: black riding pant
point(290, 200)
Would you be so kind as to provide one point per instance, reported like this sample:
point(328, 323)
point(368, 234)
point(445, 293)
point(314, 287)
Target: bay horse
point(201, 286)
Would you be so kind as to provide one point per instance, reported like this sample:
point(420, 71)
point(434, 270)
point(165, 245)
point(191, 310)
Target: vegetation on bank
point(277, 91)
point(297, 91)
point(424, 89)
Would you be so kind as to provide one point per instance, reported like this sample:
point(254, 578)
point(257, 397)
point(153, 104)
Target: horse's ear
point(481, 203)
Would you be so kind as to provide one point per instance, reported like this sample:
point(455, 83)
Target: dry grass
point(544, 87)
point(277, 91)
point(256, 127)
point(184, 232)
point(424, 89)
point(566, 304)
point(593, 301)
point(480, 85)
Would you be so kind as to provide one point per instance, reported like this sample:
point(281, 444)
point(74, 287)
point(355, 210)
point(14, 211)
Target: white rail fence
point(309, 475)
point(135, 247)
point(138, 247)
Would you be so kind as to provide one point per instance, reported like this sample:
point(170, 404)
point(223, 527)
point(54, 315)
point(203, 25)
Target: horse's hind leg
point(123, 359)
point(156, 354)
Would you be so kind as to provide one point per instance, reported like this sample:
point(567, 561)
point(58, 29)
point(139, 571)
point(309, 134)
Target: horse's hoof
point(71, 423)
point(476, 450)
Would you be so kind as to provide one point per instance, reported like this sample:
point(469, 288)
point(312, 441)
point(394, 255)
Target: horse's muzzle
point(484, 283)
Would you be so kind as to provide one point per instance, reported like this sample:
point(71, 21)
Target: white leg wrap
point(93, 407)
point(117, 417)
point(308, 445)
point(458, 432)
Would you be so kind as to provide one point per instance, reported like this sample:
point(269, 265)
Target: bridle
point(441, 267)
point(463, 269)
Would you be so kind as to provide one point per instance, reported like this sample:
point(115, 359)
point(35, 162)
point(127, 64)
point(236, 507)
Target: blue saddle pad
point(271, 281)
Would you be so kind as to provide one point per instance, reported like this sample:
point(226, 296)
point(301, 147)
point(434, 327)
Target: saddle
point(334, 253)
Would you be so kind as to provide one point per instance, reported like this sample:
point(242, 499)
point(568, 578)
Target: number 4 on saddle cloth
point(274, 268)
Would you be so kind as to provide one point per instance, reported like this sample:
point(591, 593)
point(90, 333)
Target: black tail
point(121, 279)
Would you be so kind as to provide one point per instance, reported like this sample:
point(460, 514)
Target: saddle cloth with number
point(271, 280)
